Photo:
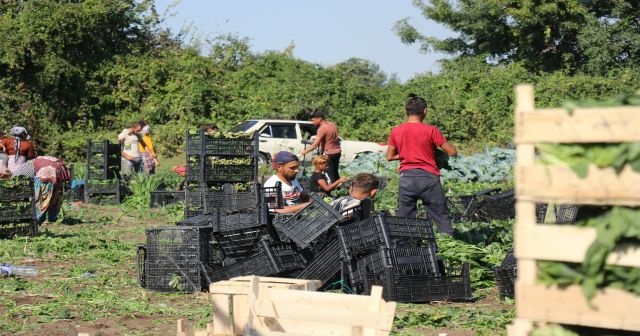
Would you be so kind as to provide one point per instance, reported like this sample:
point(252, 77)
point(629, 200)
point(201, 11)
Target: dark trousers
point(334, 165)
point(418, 184)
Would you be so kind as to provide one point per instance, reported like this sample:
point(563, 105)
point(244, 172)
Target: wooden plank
point(611, 308)
point(559, 184)
point(185, 329)
point(582, 125)
point(242, 288)
point(310, 285)
point(569, 244)
point(520, 327)
point(328, 308)
point(222, 321)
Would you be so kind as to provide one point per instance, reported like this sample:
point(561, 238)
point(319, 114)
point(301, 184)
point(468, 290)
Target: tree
point(546, 35)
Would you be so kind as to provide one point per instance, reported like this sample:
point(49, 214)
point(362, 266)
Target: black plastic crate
point(325, 264)
point(247, 218)
point(93, 189)
point(401, 261)
point(17, 211)
point(283, 256)
point(410, 232)
point(257, 264)
point(506, 280)
point(17, 188)
point(455, 285)
point(103, 160)
point(216, 144)
point(389, 231)
point(362, 236)
point(167, 276)
point(356, 213)
point(564, 213)
point(165, 197)
point(309, 223)
point(240, 243)
point(198, 220)
point(232, 172)
point(178, 244)
point(25, 227)
point(501, 205)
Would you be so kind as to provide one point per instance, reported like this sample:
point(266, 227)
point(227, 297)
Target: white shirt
point(131, 143)
point(290, 193)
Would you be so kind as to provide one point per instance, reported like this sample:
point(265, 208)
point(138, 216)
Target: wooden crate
point(534, 242)
point(277, 311)
point(230, 300)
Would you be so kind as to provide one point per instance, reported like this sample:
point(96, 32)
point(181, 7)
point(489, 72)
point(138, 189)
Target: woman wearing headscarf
point(18, 148)
point(149, 157)
point(50, 175)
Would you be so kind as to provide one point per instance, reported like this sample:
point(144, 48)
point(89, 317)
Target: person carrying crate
point(414, 143)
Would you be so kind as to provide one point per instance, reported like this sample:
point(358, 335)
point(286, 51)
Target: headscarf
point(17, 131)
point(146, 129)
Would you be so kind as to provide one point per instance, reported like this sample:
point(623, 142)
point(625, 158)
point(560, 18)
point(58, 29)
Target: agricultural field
point(87, 278)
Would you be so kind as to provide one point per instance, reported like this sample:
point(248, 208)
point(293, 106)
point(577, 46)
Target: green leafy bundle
point(580, 156)
point(618, 225)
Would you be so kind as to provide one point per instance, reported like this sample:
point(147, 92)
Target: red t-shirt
point(416, 143)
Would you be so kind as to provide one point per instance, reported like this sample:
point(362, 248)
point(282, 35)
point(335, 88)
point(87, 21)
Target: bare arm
point(314, 145)
point(392, 153)
point(450, 149)
point(290, 209)
point(329, 187)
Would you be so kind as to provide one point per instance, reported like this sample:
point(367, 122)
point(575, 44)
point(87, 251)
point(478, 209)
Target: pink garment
point(329, 141)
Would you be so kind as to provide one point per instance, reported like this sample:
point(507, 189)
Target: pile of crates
point(17, 208)
point(397, 253)
point(102, 178)
point(214, 160)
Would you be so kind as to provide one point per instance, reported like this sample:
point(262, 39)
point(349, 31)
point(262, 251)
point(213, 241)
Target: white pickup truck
point(291, 135)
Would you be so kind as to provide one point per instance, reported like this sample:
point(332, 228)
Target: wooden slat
point(583, 125)
point(568, 243)
point(611, 308)
point(328, 308)
point(308, 284)
point(242, 288)
point(559, 184)
point(222, 320)
point(520, 327)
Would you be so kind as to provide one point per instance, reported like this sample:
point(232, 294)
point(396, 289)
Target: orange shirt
point(26, 147)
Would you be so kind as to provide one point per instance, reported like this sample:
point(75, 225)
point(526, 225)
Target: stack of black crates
point(102, 178)
point(17, 208)
point(396, 253)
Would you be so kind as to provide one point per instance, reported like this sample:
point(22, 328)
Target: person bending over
point(363, 185)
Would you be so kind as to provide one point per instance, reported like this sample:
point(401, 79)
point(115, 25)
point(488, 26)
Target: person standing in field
point(130, 140)
point(149, 156)
point(319, 181)
point(414, 143)
point(18, 148)
point(329, 142)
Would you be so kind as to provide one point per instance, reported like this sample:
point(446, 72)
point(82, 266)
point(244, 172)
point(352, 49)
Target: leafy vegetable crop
point(580, 156)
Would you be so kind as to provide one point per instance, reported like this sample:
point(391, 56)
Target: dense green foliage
point(547, 35)
point(73, 70)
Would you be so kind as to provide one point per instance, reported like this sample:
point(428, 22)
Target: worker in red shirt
point(329, 142)
point(414, 144)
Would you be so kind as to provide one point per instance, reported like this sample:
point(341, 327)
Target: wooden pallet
point(537, 304)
